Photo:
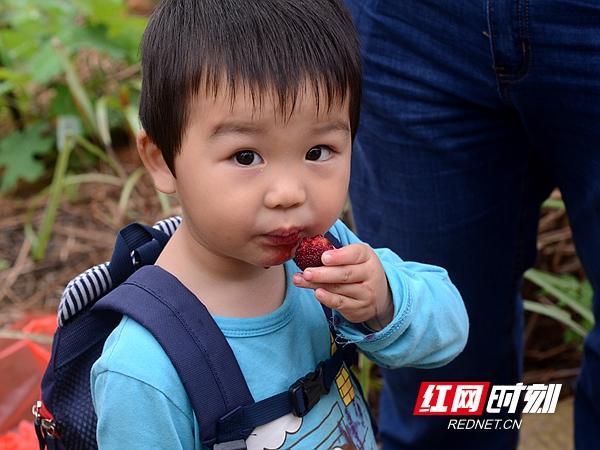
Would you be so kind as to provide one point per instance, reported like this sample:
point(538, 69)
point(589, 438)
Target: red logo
point(451, 398)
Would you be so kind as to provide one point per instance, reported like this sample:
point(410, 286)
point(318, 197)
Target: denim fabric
point(473, 112)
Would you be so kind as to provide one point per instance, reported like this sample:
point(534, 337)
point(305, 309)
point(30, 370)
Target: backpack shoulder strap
point(190, 337)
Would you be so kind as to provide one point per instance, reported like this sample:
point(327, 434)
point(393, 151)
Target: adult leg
point(442, 173)
point(559, 102)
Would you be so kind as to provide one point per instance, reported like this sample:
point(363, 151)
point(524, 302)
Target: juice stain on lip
point(281, 255)
point(285, 253)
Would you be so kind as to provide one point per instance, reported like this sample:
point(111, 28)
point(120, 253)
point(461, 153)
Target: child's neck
point(225, 287)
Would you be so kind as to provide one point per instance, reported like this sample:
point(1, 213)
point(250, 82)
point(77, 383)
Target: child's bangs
point(283, 94)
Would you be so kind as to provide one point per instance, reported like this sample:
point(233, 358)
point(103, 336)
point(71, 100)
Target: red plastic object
point(22, 365)
point(23, 438)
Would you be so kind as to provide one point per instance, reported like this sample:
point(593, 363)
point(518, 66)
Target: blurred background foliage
point(64, 58)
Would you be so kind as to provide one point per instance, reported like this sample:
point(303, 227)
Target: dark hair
point(261, 45)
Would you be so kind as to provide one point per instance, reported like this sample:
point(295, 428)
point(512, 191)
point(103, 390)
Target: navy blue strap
point(145, 242)
point(190, 337)
point(299, 399)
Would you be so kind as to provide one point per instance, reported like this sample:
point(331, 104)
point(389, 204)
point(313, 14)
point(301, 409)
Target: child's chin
point(277, 258)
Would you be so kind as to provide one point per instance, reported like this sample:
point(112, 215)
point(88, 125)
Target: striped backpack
point(93, 304)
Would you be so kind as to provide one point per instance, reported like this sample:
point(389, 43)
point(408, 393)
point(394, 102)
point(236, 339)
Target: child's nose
point(285, 192)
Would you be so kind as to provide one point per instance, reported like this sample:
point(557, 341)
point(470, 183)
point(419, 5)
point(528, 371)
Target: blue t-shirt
point(141, 403)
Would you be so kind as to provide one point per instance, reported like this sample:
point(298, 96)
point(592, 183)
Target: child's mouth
point(286, 237)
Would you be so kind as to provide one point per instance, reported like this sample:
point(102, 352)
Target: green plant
point(554, 203)
point(67, 128)
point(572, 304)
point(82, 61)
point(368, 381)
point(68, 136)
point(18, 152)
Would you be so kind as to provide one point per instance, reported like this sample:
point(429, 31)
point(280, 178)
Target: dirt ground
point(549, 431)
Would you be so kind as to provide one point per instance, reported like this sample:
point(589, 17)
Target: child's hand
point(353, 282)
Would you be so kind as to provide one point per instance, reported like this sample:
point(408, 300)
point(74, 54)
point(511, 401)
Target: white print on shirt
point(337, 422)
point(273, 434)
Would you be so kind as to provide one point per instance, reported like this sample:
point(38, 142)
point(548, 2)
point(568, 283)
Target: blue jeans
point(473, 111)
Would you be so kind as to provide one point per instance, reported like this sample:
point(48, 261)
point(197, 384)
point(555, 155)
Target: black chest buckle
point(307, 391)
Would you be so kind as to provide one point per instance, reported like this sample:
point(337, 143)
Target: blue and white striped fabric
point(88, 287)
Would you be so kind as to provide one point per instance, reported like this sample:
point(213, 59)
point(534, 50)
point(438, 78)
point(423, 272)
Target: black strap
point(39, 434)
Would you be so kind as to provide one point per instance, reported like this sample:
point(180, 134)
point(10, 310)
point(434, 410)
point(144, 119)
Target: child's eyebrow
point(252, 128)
point(235, 128)
point(335, 125)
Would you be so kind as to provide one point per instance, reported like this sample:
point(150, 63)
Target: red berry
point(310, 250)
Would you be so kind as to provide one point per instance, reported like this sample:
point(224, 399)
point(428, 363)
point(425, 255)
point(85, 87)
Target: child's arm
point(417, 315)
point(137, 396)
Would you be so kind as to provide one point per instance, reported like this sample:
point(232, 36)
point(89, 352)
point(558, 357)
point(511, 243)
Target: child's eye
point(319, 153)
point(247, 158)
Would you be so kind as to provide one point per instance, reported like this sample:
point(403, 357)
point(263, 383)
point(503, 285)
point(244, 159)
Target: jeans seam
point(525, 43)
point(492, 37)
point(505, 80)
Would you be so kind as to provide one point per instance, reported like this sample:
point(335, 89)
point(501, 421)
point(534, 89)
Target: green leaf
point(123, 31)
point(5, 87)
point(567, 282)
point(553, 203)
point(19, 44)
point(133, 120)
point(106, 10)
point(587, 293)
point(43, 66)
point(17, 155)
point(548, 283)
point(94, 36)
point(13, 77)
point(555, 313)
point(75, 86)
point(62, 104)
point(569, 337)
point(102, 121)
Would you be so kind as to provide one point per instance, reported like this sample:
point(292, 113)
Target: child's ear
point(155, 164)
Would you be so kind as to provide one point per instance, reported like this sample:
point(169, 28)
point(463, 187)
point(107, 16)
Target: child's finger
point(335, 301)
point(348, 307)
point(335, 274)
point(352, 290)
point(347, 255)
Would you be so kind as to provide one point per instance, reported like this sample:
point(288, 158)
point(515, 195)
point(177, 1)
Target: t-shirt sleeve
point(430, 324)
point(138, 398)
point(127, 416)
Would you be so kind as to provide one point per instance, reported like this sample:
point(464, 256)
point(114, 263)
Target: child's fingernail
point(307, 274)
point(327, 257)
point(297, 278)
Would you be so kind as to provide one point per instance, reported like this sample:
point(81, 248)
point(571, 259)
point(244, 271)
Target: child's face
point(251, 184)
